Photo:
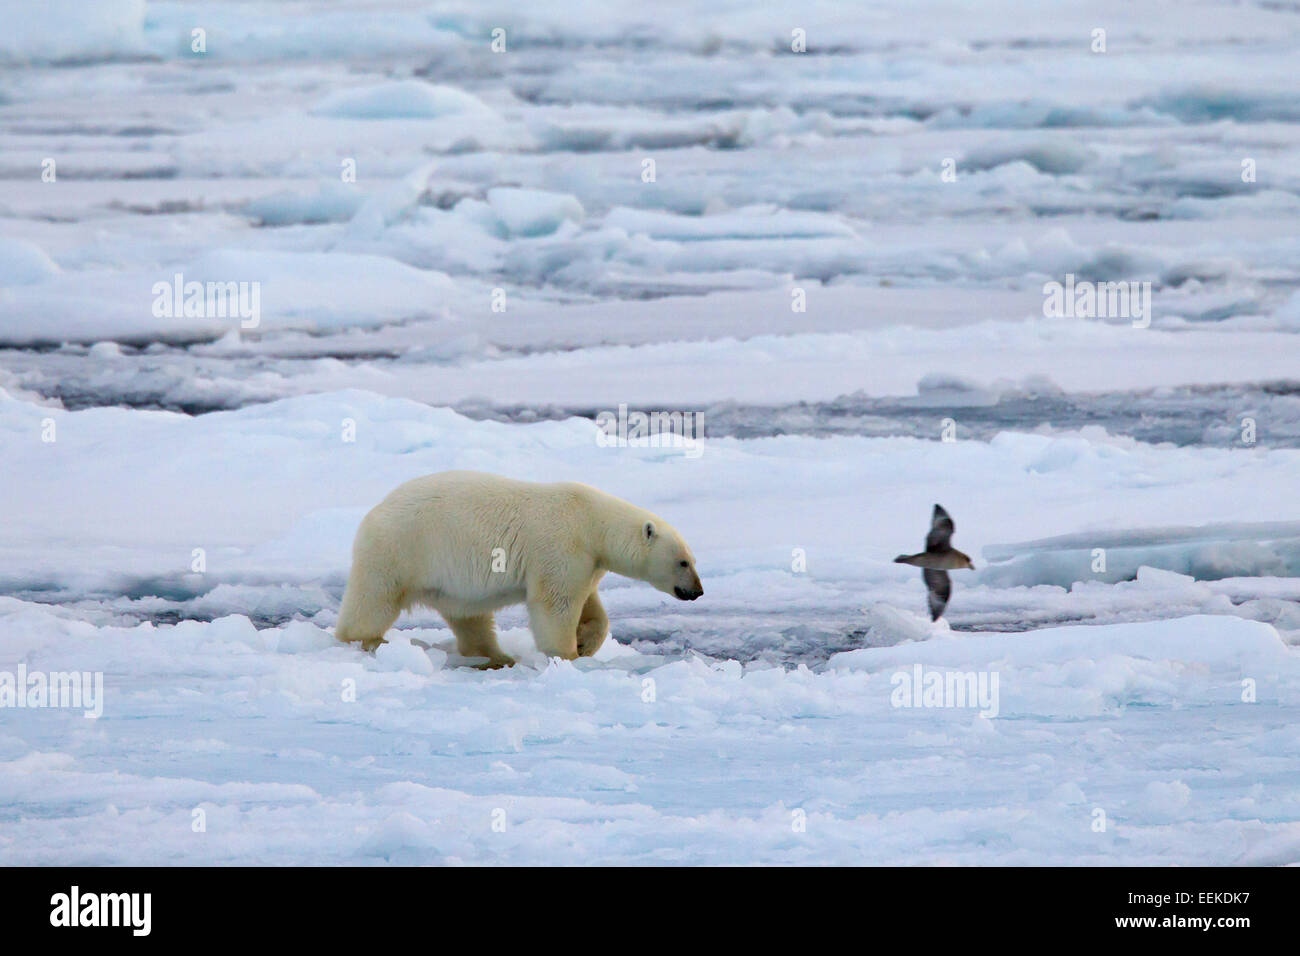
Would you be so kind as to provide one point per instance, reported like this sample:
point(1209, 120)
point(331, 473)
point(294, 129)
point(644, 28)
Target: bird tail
point(906, 559)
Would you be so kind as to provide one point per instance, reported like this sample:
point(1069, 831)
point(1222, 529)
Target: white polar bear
point(467, 544)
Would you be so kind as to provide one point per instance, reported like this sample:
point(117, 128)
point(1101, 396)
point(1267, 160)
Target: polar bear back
point(471, 541)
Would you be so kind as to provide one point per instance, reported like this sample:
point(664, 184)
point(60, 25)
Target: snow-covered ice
point(627, 758)
point(413, 253)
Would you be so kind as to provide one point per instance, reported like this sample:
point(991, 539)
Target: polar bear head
point(668, 563)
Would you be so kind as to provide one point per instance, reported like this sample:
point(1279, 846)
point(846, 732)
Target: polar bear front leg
point(593, 626)
point(554, 623)
point(477, 637)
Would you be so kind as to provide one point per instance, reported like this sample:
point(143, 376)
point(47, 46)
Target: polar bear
point(468, 544)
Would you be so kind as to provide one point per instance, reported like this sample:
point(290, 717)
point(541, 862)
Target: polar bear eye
point(684, 564)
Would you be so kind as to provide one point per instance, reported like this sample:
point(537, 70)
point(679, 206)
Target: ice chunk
point(400, 831)
point(533, 212)
point(403, 99)
point(1156, 557)
point(332, 202)
point(1167, 798)
point(22, 263)
point(1055, 156)
point(887, 625)
point(1158, 578)
point(70, 29)
point(300, 637)
point(399, 654)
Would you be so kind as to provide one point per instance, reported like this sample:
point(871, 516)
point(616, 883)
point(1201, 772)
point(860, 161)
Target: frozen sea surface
point(838, 263)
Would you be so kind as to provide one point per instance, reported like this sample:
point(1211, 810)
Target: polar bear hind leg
point(369, 610)
point(477, 637)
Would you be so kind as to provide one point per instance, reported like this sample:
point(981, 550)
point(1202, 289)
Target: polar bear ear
point(649, 531)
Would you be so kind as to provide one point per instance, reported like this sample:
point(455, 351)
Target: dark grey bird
point(938, 558)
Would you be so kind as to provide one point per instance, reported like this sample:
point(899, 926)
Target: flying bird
point(938, 558)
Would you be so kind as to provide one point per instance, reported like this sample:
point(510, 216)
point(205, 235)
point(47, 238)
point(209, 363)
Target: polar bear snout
point(690, 591)
point(685, 580)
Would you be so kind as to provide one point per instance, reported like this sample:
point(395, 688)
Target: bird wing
point(938, 587)
point(941, 529)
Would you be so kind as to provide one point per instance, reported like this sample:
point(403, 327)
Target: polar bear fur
point(468, 544)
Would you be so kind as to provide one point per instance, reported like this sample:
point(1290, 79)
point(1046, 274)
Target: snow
point(297, 290)
point(441, 256)
point(630, 759)
point(284, 514)
point(750, 223)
